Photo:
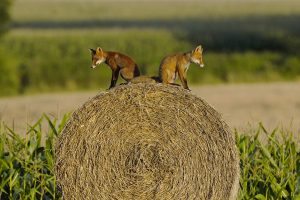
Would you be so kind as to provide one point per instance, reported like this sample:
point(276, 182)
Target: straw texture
point(147, 141)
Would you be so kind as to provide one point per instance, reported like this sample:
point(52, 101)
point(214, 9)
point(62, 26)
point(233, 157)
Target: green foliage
point(270, 167)
point(26, 169)
point(45, 62)
point(247, 67)
point(9, 77)
point(4, 14)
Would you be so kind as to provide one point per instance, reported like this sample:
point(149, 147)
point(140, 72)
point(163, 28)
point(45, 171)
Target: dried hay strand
point(147, 141)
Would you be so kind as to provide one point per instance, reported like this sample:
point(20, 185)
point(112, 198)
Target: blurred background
point(251, 53)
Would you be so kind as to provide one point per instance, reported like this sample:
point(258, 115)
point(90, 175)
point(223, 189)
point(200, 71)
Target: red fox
point(119, 63)
point(179, 63)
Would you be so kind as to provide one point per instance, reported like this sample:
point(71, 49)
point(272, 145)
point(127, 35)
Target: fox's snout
point(201, 64)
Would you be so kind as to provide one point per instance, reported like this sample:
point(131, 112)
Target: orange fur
point(118, 63)
point(178, 64)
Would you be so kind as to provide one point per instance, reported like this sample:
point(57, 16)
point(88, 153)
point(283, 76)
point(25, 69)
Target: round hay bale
point(147, 141)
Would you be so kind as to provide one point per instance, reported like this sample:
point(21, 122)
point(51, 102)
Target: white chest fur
point(186, 66)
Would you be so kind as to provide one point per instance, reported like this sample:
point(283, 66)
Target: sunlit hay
point(147, 141)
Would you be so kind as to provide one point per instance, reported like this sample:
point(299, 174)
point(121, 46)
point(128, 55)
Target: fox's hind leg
point(127, 74)
point(170, 77)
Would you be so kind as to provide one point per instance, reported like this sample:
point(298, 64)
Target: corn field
point(270, 167)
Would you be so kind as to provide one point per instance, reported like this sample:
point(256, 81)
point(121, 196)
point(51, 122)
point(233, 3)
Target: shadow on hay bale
point(147, 141)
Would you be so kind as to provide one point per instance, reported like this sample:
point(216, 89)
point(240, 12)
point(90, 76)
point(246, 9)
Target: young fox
point(119, 63)
point(179, 63)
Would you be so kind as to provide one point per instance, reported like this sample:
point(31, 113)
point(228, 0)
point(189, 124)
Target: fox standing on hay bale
point(118, 63)
point(179, 64)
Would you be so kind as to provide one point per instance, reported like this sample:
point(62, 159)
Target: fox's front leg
point(114, 78)
point(182, 75)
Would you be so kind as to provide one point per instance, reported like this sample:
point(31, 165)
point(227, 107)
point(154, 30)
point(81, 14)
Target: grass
point(270, 168)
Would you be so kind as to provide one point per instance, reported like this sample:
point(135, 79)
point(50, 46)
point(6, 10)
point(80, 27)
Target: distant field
point(243, 106)
point(66, 10)
point(244, 41)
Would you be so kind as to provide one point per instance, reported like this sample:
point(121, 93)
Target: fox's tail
point(145, 79)
point(156, 78)
point(136, 71)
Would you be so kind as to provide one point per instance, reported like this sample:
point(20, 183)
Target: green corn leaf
point(63, 122)
point(51, 124)
point(13, 179)
point(260, 197)
point(33, 144)
point(297, 197)
point(284, 193)
point(33, 128)
point(267, 154)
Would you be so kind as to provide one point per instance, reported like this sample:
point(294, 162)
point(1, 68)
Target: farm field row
point(47, 60)
point(65, 10)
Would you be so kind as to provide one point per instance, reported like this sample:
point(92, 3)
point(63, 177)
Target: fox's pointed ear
point(99, 51)
point(199, 49)
point(92, 51)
